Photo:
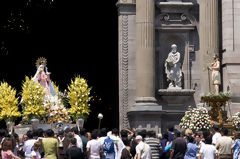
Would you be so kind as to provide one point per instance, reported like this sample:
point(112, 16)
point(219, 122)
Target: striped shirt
point(155, 147)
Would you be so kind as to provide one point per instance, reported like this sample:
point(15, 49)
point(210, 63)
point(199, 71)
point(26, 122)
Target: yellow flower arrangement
point(32, 99)
point(8, 103)
point(79, 97)
point(56, 87)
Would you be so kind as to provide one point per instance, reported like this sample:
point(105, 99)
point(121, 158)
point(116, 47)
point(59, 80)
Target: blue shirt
point(192, 150)
point(236, 149)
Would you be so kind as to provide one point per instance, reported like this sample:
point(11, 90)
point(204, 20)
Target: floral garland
point(32, 99)
point(196, 119)
point(79, 97)
point(236, 120)
point(55, 110)
point(8, 103)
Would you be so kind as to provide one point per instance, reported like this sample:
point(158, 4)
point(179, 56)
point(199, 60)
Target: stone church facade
point(200, 29)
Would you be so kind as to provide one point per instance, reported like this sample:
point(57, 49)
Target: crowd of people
point(71, 143)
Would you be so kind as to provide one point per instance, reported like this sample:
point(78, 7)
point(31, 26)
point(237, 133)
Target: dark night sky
point(76, 37)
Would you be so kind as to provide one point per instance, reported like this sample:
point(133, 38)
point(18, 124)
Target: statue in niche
point(173, 69)
point(216, 77)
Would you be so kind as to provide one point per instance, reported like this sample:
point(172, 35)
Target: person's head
point(206, 134)
point(30, 134)
point(16, 137)
point(190, 139)
point(74, 130)
point(73, 141)
point(138, 139)
point(188, 132)
point(69, 135)
point(151, 134)
point(115, 132)
point(143, 133)
point(103, 132)
point(61, 133)
point(237, 135)
point(177, 134)
point(197, 138)
point(50, 133)
point(170, 129)
point(214, 129)
point(174, 48)
point(94, 134)
point(35, 133)
point(25, 137)
point(224, 131)
point(208, 140)
point(124, 133)
point(165, 136)
point(216, 57)
point(36, 146)
point(88, 135)
point(82, 131)
point(126, 141)
point(40, 132)
point(7, 145)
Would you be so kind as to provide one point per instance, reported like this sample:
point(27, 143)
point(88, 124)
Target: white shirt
point(208, 151)
point(94, 146)
point(120, 146)
point(79, 142)
point(37, 154)
point(28, 147)
point(215, 137)
point(145, 149)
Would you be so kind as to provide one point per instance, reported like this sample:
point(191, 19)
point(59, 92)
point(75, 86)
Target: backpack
point(108, 145)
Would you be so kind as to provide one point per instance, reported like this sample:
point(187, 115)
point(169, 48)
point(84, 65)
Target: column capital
point(126, 7)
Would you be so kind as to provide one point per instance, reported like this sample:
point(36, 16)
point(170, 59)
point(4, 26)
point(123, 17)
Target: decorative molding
point(123, 105)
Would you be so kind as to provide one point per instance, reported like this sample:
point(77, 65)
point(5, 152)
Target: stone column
point(209, 40)
point(145, 90)
point(126, 56)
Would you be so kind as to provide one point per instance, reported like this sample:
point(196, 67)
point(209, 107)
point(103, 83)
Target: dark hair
point(126, 141)
point(15, 136)
point(224, 131)
point(151, 133)
point(61, 133)
point(206, 134)
point(40, 132)
point(124, 133)
point(165, 135)
point(35, 133)
point(75, 130)
point(215, 128)
point(144, 133)
point(208, 139)
point(177, 133)
point(237, 135)
point(103, 132)
point(73, 141)
point(171, 129)
point(94, 134)
point(7, 145)
point(115, 131)
point(30, 134)
point(49, 133)
point(69, 135)
point(83, 131)
point(190, 139)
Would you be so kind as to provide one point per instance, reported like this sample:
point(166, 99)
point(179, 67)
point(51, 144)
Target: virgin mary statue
point(43, 77)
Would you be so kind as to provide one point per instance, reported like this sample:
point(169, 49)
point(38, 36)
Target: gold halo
point(41, 61)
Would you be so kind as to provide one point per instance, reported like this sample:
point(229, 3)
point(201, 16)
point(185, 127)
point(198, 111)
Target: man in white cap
point(143, 150)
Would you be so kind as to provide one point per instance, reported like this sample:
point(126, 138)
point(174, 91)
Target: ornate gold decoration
point(41, 61)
